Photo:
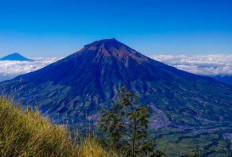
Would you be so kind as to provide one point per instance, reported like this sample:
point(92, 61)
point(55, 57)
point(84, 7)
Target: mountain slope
point(80, 84)
point(15, 57)
point(224, 78)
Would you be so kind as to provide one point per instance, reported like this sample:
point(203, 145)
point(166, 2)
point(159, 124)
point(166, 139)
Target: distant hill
point(224, 78)
point(15, 57)
point(184, 106)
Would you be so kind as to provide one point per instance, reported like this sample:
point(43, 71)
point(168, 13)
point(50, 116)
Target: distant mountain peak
point(15, 57)
point(16, 53)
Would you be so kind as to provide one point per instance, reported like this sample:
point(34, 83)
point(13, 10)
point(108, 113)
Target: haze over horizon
point(57, 28)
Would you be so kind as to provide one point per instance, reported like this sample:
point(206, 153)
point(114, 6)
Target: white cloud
point(219, 64)
point(14, 68)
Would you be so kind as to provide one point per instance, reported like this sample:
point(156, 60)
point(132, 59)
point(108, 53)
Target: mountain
point(184, 106)
point(224, 78)
point(90, 78)
point(15, 57)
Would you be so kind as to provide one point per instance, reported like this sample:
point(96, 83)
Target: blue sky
point(60, 27)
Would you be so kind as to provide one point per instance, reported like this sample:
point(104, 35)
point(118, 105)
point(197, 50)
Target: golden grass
point(90, 148)
point(27, 133)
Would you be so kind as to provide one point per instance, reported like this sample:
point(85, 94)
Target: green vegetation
point(175, 142)
point(27, 133)
point(126, 126)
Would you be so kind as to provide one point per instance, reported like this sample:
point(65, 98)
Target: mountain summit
point(113, 48)
point(15, 57)
point(88, 80)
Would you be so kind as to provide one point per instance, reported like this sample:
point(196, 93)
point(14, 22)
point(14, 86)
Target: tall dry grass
point(27, 133)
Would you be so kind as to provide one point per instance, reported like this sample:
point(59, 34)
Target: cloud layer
point(13, 68)
point(210, 65)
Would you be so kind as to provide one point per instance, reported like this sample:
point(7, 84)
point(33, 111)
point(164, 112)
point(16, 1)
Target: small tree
point(125, 125)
